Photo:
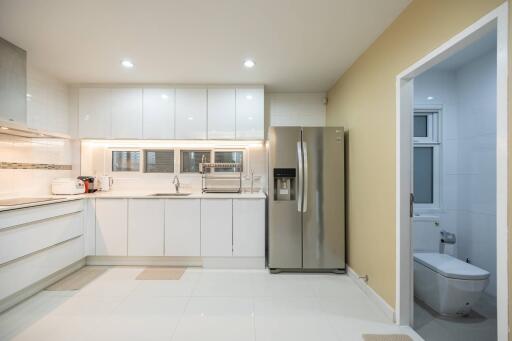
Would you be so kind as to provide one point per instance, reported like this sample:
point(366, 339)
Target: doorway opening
point(452, 186)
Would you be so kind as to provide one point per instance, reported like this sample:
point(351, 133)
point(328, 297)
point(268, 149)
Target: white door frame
point(498, 18)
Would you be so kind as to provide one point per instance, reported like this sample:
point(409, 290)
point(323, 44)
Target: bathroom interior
point(454, 222)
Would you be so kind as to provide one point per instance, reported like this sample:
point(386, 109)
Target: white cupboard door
point(94, 112)
point(111, 227)
point(145, 227)
point(183, 227)
point(249, 227)
point(216, 227)
point(158, 113)
point(221, 113)
point(250, 114)
point(127, 113)
point(190, 114)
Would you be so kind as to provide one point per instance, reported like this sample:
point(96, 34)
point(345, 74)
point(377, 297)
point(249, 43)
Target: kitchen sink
point(169, 194)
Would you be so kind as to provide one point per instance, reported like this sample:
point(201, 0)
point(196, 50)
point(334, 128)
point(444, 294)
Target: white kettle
point(105, 183)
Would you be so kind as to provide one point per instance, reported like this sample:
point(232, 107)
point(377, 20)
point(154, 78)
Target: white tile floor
point(203, 305)
point(480, 325)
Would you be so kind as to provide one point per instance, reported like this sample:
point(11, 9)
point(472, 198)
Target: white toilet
point(448, 285)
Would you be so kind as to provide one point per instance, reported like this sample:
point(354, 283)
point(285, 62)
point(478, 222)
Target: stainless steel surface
point(305, 170)
point(169, 194)
point(285, 225)
point(324, 220)
point(300, 181)
point(176, 183)
point(23, 201)
point(307, 234)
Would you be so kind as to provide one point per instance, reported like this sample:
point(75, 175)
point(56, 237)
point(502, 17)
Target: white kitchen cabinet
point(216, 227)
point(182, 227)
point(249, 227)
point(111, 227)
point(145, 227)
point(127, 113)
point(250, 113)
point(95, 112)
point(221, 113)
point(158, 113)
point(191, 117)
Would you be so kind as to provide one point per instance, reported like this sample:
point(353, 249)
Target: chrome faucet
point(176, 183)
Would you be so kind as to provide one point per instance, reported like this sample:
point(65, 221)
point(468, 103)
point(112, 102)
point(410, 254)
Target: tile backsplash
point(28, 166)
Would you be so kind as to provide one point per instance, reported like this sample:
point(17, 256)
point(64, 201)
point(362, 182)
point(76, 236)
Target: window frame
point(191, 150)
point(144, 164)
point(220, 150)
point(433, 140)
point(111, 159)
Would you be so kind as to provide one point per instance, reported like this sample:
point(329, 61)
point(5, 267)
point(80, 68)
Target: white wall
point(467, 95)
point(297, 109)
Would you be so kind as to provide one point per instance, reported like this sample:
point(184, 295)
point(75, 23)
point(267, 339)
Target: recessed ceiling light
point(4, 128)
point(127, 64)
point(430, 98)
point(249, 63)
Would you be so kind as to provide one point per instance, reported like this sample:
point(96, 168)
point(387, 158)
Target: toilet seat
point(449, 266)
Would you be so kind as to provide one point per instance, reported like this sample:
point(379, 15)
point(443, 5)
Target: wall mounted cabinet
point(126, 113)
point(221, 114)
point(95, 113)
point(165, 113)
point(158, 113)
point(191, 117)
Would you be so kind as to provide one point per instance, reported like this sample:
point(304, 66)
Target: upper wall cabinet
point(94, 112)
point(127, 113)
point(250, 113)
point(13, 83)
point(158, 113)
point(191, 114)
point(221, 113)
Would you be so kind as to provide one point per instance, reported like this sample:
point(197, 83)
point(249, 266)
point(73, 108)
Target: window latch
point(411, 205)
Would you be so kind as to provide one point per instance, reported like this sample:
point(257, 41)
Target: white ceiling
point(298, 45)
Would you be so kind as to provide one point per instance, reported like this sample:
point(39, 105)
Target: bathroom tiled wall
point(468, 160)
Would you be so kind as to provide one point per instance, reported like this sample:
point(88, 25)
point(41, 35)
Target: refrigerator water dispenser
point(284, 184)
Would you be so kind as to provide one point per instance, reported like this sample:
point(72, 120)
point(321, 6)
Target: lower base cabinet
point(111, 227)
point(183, 227)
point(145, 227)
point(216, 227)
point(248, 228)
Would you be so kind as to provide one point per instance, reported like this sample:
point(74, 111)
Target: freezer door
point(324, 193)
point(285, 224)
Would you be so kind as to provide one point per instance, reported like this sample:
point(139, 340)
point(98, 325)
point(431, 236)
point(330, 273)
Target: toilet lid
point(449, 266)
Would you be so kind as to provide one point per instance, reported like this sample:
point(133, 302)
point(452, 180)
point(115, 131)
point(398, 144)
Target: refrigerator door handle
point(305, 171)
point(301, 174)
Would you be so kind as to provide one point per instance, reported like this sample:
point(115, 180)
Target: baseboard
point(33, 289)
point(144, 261)
point(379, 301)
point(234, 262)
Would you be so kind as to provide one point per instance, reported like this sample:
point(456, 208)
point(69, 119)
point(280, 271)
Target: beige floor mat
point(161, 273)
point(79, 279)
point(386, 337)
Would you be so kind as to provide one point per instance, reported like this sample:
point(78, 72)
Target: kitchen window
point(232, 156)
point(125, 161)
point(190, 160)
point(159, 161)
point(426, 159)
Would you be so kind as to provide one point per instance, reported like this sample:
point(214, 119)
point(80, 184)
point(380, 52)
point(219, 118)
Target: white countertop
point(135, 195)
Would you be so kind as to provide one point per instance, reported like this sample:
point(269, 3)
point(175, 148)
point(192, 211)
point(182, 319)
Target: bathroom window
point(190, 160)
point(426, 123)
point(426, 159)
point(231, 156)
point(159, 161)
point(125, 161)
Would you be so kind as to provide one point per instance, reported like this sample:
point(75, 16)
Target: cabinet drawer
point(26, 271)
point(32, 214)
point(25, 239)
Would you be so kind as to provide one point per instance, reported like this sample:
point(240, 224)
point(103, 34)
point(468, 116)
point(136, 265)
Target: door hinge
point(411, 205)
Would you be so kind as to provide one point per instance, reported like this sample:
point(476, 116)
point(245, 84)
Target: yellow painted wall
point(363, 101)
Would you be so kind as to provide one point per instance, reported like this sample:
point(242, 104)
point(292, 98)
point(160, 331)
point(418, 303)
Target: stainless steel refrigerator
point(306, 230)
